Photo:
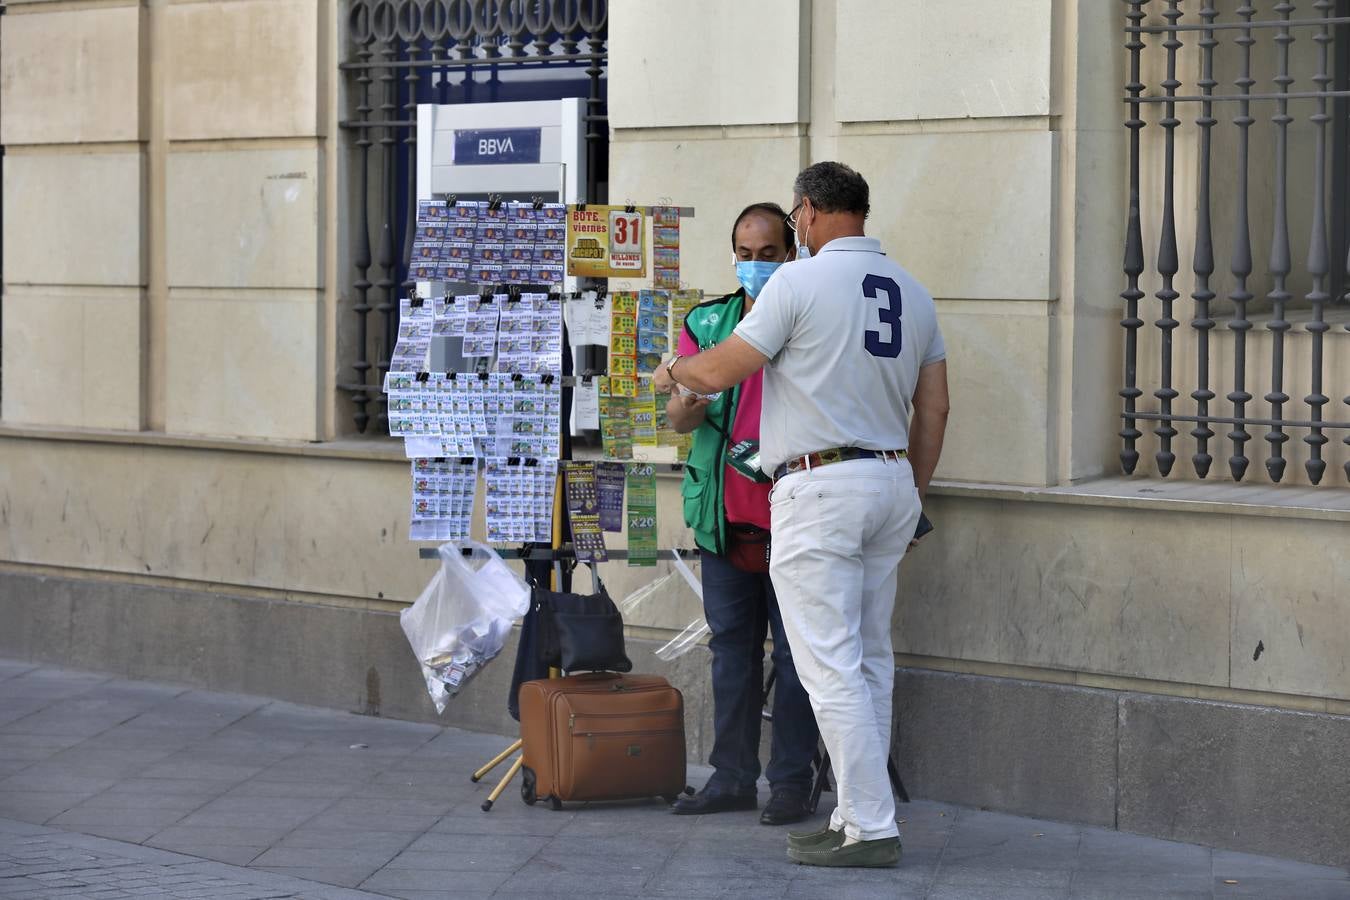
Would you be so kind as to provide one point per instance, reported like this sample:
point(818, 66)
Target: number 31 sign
point(606, 242)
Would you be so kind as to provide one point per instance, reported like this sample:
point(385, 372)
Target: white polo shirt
point(846, 332)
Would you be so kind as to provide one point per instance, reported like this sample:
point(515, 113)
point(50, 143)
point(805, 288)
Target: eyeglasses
point(791, 218)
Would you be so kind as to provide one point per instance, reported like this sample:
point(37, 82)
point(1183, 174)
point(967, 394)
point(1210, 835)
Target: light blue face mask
point(753, 274)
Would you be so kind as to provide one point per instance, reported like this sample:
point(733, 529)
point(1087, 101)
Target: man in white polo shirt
point(854, 411)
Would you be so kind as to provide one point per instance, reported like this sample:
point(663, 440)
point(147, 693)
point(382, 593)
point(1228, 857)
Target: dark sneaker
point(880, 853)
point(706, 802)
point(785, 807)
point(815, 840)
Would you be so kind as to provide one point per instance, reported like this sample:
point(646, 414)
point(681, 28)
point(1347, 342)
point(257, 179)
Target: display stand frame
point(561, 551)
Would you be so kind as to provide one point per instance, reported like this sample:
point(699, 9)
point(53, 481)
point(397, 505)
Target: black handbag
point(580, 632)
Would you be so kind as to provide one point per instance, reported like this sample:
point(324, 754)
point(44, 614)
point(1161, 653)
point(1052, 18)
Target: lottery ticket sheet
point(442, 499)
point(474, 242)
point(473, 415)
point(518, 499)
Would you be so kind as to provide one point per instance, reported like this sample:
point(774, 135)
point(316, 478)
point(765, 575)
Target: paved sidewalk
point(113, 788)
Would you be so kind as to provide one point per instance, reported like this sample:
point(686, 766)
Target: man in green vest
point(729, 514)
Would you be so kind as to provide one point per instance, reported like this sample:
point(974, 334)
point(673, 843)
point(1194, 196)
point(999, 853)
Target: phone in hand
point(925, 526)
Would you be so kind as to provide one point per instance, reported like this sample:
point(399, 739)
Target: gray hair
point(833, 187)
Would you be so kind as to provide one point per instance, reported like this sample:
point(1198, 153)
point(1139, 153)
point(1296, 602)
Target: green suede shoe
point(876, 854)
point(815, 840)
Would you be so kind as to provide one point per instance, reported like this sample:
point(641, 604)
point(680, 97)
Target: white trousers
point(839, 533)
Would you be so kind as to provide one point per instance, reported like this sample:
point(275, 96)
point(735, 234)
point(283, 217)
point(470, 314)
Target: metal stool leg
point(822, 782)
point(501, 785)
point(496, 761)
point(896, 783)
point(823, 772)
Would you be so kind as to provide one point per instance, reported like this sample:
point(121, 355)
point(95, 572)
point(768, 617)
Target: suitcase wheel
point(554, 803)
point(527, 783)
point(688, 789)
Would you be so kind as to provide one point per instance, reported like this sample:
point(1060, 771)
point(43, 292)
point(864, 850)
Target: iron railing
point(1227, 164)
point(405, 52)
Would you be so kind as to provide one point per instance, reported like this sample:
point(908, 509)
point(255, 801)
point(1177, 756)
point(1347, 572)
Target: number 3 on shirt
point(872, 286)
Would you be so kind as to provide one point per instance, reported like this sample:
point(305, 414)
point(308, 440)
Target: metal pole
point(1280, 263)
point(1319, 255)
point(1204, 254)
point(1241, 262)
point(1134, 251)
point(1167, 249)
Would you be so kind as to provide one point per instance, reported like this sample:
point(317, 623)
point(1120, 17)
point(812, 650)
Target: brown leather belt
point(833, 455)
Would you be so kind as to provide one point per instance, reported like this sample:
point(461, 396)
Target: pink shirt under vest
point(746, 501)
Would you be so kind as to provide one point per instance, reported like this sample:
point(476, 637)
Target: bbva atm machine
point(517, 151)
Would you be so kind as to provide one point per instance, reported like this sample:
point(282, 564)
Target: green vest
point(709, 324)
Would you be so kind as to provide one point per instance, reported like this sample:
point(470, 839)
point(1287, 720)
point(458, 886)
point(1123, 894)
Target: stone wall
point(169, 425)
point(165, 195)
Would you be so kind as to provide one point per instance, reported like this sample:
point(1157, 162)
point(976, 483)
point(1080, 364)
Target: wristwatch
point(670, 366)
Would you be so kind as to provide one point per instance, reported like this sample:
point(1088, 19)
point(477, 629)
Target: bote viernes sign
point(606, 242)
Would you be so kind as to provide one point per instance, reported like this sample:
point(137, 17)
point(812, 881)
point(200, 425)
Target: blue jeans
point(741, 608)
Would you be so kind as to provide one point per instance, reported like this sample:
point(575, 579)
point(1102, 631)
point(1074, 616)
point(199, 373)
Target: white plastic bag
point(462, 617)
point(694, 632)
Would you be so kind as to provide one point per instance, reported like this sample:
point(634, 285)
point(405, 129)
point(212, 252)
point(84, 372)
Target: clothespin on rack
point(537, 201)
point(451, 200)
point(686, 212)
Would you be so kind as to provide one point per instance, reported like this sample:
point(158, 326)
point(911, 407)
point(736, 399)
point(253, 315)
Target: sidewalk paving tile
point(359, 822)
point(1267, 887)
point(315, 790)
point(230, 836)
point(393, 880)
point(344, 876)
point(233, 854)
point(307, 857)
point(1228, 864)
point(391, 842)
point(244, 797)
point(39, 805)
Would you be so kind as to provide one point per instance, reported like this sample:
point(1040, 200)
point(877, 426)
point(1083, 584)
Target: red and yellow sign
point(606, 242)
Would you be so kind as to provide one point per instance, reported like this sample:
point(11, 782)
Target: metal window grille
point(2, 244)
point(404, 52)
point(1265, 154)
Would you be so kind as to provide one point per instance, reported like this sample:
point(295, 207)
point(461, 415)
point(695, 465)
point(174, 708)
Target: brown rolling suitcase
point(601, 737)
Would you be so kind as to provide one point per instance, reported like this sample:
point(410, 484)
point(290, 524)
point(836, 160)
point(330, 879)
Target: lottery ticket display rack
point(441, 254)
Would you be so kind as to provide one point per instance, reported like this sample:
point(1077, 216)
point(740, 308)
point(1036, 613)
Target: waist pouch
point(748, 547)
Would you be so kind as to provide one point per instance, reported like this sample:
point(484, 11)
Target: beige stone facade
point(177, 265)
